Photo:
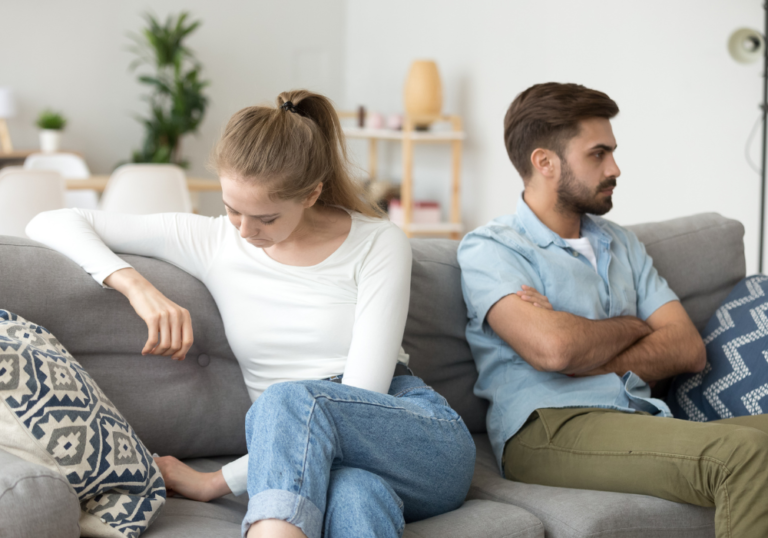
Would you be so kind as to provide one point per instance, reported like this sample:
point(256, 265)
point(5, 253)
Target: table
point(99, 183)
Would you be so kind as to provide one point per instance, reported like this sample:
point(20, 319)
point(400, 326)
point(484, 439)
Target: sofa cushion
point(701, 257)
point(735, 378)
point(53, 414)
point(222, 517)
point(35, 501)
point(576, 513)
point(204, 399)
point(434, 333)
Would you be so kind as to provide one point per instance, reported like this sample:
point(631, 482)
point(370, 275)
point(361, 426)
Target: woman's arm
point(91, 238)
point(384, 289)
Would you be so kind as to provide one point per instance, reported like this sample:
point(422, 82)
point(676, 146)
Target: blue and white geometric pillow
point(54, 414)
point(735, 380)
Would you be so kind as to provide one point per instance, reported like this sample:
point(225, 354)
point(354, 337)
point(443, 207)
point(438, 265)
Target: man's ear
point(545, 162)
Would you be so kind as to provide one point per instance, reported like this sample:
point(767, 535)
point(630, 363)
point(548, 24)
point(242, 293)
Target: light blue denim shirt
point(498, 258)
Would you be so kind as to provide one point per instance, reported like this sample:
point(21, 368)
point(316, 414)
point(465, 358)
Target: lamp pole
point(764, 108)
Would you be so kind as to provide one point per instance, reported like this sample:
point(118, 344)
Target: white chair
point(142, 189)
point(70, 166)
point(24, 194)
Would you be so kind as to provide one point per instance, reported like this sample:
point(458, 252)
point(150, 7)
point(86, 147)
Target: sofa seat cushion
point(222, 517)
point(576, 513)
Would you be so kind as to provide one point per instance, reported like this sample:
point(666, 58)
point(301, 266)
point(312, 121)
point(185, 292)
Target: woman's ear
point(545, 162)
point(313, 196)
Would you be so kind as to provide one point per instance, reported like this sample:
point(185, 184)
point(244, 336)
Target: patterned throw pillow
point(53, 414)
point(735, 380)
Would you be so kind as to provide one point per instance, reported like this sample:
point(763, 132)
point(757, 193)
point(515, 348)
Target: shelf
point(415, 136)
point(435, 228)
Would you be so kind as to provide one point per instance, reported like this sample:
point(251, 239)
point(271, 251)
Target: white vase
point(50, 140)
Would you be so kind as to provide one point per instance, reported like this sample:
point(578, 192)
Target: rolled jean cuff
point(281, 504)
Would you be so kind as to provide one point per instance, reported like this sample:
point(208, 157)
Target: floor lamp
point(748, 46)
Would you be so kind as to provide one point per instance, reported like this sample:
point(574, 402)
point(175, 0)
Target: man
point(569, 323)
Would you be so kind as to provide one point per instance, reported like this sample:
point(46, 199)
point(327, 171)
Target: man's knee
point(746, 447)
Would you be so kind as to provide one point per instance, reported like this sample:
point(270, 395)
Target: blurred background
point(687, 108)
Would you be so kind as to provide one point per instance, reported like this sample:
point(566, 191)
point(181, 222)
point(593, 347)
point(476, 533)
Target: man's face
point(588, 170)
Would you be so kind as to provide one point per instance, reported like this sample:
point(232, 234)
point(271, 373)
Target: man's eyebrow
point(604, 147)
point(254, 216)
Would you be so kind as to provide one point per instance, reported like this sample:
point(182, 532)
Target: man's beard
point(575, 197)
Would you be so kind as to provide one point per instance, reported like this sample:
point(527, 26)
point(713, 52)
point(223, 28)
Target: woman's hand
point(182, 479)
point(530, 295)
point(169, 325)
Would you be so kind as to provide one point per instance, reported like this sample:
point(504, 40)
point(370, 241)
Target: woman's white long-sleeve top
point(345, 315)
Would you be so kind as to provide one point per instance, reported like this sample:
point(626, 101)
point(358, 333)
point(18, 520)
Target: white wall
point(686, 107)
point(72, 56)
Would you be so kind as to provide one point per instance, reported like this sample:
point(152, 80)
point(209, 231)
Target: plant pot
point(50, 140)
point(423, 92)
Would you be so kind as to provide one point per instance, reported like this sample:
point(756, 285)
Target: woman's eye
point(268, 222)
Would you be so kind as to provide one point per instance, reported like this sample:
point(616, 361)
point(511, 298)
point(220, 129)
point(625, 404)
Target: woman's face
point(261, 221)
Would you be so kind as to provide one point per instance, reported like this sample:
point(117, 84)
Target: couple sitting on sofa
point(569, 322)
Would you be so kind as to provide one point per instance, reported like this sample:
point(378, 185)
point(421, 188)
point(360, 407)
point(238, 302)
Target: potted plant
point(176, 98)
point(51, 124)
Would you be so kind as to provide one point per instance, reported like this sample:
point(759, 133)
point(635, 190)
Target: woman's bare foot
point(182, 479)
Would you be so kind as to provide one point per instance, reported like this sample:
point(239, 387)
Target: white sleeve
point(91, 238)
point(236, 475)
point(384, 289)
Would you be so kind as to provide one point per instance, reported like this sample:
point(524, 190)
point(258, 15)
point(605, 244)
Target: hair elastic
point(290, 107)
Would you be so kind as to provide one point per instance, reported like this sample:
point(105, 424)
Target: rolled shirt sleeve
point(652, 290)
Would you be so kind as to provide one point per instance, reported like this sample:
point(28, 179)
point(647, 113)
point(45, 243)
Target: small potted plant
point(51, 124)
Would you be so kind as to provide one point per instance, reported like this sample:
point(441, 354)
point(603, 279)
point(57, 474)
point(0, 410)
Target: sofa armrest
point(35, 501)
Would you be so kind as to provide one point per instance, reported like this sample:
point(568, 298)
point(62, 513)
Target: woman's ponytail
point(292, 148)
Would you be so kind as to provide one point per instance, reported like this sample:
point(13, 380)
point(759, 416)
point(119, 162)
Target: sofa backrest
point(197, 407)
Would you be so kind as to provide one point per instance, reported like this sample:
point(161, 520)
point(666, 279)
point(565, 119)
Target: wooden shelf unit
point(408, 137)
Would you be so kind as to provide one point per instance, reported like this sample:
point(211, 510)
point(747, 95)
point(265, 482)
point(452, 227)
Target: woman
point(313, 290)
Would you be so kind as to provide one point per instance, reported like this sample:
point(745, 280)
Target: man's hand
point(530, 295)
point(183, 480)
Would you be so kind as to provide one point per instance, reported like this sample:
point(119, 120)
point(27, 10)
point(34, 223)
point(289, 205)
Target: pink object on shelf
point(374, 120)
point(423, 212)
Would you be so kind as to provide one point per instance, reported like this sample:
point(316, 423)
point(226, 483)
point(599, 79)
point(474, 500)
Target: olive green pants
point(722, 463)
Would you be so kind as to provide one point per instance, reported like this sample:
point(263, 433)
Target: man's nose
point(613, 169)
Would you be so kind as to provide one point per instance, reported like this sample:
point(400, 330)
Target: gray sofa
point(195, 409)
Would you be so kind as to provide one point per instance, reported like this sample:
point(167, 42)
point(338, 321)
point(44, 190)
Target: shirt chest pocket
point(626, 301)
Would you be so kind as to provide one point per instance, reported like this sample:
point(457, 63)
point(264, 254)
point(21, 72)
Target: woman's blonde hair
point(291, 148)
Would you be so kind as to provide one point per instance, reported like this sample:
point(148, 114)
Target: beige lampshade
point(423, 91)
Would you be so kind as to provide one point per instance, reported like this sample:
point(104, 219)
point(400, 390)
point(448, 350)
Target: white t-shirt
point(345, 315)
point(584, 247)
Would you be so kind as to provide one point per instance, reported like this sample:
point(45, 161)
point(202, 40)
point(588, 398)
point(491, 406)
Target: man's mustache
point(608, 183)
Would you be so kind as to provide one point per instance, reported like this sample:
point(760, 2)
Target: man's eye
point(599, 154)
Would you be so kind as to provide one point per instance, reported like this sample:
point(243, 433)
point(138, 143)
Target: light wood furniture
point(13, 157)
point(99, 183)
point(408, 138)
point(5, 138)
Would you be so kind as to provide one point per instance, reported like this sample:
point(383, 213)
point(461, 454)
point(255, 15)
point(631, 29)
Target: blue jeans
point(339, 461)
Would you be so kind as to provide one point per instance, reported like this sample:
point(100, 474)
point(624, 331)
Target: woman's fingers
point(165, 334)
point(153, 329)
point(187, 337)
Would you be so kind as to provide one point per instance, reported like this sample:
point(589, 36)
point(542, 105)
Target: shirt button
point(575, 254)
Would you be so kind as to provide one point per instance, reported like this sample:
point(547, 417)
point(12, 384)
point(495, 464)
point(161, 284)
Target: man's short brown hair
point(547, 116)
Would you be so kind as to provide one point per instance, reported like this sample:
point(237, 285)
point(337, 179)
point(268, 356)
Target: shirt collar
point(541, 235)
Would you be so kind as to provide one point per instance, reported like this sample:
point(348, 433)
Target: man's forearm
point(666, 352)
point(591, 344)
